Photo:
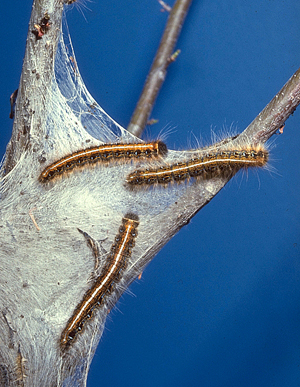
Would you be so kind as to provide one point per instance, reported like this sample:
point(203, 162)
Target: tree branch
point(274, 115)
point(158, 71)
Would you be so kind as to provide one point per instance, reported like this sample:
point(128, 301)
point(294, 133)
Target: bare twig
point(165, 6)
point(274, 115)
point(159, 67)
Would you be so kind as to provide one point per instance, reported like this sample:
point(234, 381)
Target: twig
point(159, 67)
point(33, 218)
point(278, 110)
point(165, 6)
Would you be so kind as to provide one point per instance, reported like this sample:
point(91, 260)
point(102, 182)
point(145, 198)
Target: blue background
point(219, 305)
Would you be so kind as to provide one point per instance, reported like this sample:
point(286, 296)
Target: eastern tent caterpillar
point(207, 165)
point(116, 262)
point(103, 154)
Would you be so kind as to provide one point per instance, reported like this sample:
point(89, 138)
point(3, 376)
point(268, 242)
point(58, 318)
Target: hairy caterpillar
point(104, 284)
point(103, 154)
point(207, 165)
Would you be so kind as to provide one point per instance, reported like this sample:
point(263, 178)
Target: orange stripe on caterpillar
point(205, 166)
point(103, 154)
point(104, 284)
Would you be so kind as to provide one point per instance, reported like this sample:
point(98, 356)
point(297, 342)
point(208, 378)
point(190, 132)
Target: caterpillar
point(104, 284)
point(207, 165)
point(103, 154)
